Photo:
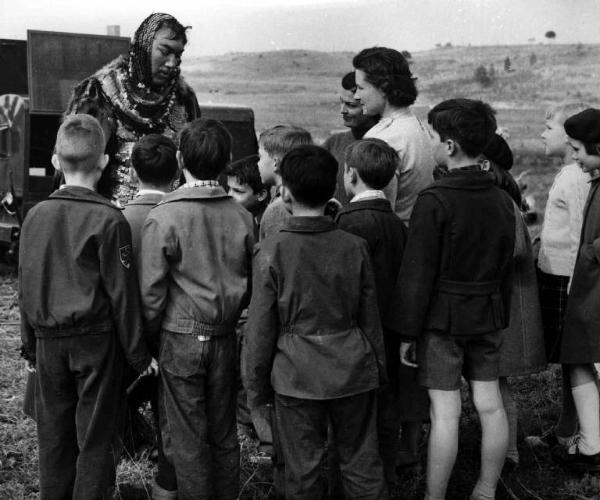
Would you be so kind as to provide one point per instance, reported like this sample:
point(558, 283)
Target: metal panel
point(13, 64)
point(239, 120)
point(58, 61)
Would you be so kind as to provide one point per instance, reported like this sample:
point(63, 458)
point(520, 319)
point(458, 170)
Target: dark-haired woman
point(138, 94)
point(385, 86)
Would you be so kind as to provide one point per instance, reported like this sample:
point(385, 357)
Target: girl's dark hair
point(388, 70)
point(504, 180)
point(205, 147)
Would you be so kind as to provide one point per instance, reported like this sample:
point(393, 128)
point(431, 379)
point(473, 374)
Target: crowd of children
point(354, 320)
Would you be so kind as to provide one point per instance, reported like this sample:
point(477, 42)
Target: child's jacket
point(196, 259)
point(455, 275)
point(313, 330)
point(76, 273)
point(136, 212)
point(581, 342)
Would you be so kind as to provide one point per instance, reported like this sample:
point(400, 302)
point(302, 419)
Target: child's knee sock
point(587, 403)
point(483, 491)
point(512, 416)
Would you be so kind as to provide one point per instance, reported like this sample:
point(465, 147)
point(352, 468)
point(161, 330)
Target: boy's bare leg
point(494, 436)
point(443, 441)
point(510, 406)
point(587, 402)
point(567, 422)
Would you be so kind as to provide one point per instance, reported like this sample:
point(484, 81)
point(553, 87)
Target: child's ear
point(134, 176)
point(103, 161)
point(452, 147)
point(485, 164)
point(352, 175)
point(276, 164)
point(55, 162)
point(286, 196)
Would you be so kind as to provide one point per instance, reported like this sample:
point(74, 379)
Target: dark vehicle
point(35, 85)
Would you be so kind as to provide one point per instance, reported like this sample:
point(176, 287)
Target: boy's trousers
point(79, 392)
point(302, 430)
point(199, 388)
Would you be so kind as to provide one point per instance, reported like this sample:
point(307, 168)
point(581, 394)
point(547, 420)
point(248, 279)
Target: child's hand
point(152, 368)
point(407, 354)
point(30, 366)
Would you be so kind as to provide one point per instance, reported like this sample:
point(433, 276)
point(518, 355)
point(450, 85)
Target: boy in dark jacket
point(370, 164)
point(315, 347)
point(197, 247)
point(80, 313)
point(154, 167)
point(455, 292)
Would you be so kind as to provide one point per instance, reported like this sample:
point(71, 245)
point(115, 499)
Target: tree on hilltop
point(550, 35)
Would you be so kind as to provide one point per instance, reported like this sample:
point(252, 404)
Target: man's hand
point(30, 366)
point(152, 369)
point(407, 354)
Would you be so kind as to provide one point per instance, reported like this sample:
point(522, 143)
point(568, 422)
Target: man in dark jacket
point(455, 292)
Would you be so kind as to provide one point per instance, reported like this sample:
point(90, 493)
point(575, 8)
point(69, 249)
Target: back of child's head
point(205, 147)
point(79, 143)
point(374, 160)
point(349, 82)
point(246, 171)
point(585, 127)
point(471, 123)
point(309, 172)
point(280, 139)
point(154, 159)
point(500, 158)
point(561, 112)
point(388, 70)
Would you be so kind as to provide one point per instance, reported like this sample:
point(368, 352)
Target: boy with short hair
point(246, 187)
point(317, 360)
point(80, 313)
point(196, 252)
point(153, 169)
point(455, 292)
point(273, 144)
point(369, 166)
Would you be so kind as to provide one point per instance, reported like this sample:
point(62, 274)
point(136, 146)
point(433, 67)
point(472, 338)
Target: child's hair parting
point(564, 110)
point(349, 82)
point(246, 171)
point(310, 173)
point(280, 139)
point(205, 146)
point(471, 123)
point(388, 70)
point(79, 143)
point(585, 127)
point(500, 157)
point(374, 160)
point(154, 159)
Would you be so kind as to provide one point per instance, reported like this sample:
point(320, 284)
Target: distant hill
point(300, 86)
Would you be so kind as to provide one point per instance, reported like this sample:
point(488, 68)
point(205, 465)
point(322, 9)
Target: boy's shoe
point(572, 458)
point(549, 440)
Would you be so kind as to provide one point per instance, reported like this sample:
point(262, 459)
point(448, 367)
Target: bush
point(482, 76)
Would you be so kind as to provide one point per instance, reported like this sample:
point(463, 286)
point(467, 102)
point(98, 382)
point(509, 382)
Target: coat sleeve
point(262, 331)
point(27, 332)
point(158, 246)
point(119, 278)
point(368, 317)
point(419, 269)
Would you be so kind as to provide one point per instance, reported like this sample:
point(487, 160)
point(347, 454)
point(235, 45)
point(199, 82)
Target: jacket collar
point(146, 199)
point(195, 193)
point(320, 224)
point(367, 204)
point(465, 178)
point(79, 193)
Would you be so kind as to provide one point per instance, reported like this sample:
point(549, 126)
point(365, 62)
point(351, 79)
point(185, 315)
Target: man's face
point(166, 56)
point(350, 109)
point(372, 99)
point(586, 161)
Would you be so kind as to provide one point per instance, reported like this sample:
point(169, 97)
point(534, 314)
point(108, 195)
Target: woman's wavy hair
point(388, 70)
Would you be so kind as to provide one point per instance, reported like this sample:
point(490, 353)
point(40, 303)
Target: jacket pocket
point(181, 355)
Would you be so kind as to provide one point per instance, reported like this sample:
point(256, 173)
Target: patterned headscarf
point(140, 52)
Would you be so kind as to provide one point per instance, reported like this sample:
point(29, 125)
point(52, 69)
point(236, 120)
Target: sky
point(221, 26)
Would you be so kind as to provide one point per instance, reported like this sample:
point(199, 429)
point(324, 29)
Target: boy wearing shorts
point(455, 294)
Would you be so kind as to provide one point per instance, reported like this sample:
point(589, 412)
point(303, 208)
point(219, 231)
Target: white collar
point(369, 194)
point(142, 192)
